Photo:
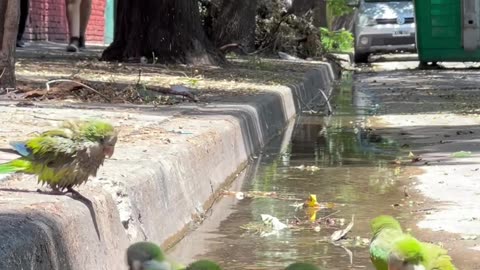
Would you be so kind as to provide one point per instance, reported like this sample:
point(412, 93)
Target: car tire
point(360, 58)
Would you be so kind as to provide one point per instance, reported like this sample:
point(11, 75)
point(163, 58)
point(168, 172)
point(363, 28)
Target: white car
point(383, 26)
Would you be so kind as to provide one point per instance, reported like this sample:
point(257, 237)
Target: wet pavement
point(435, 114)
point(350, 171)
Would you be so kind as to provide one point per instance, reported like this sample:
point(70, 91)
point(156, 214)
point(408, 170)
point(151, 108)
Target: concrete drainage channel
point(157, 184)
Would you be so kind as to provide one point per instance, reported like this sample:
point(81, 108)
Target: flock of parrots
point(67, 156)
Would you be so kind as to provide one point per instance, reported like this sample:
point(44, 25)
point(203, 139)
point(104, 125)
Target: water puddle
point(328, 157)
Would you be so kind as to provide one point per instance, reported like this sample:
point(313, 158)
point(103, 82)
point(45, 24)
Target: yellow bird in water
point(311, 207)
point(311, 202)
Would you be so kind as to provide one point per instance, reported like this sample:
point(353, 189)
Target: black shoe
point(20, 44)
point(73, 46)
point(81, 43)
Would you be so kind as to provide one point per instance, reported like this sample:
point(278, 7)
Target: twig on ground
point(47, 118)
point(79, 83)
point(139, 76)
point(330, 110)
point(349, 252)
point(176, 90)
point(331, 214)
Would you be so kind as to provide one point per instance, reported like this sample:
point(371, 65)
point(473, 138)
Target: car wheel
point(360, 58)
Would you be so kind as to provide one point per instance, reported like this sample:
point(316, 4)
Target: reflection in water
point(353, 174)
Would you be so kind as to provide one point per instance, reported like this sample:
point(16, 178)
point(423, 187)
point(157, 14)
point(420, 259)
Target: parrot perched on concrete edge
point(302, 266)
point(392, 249)
point(66, 156)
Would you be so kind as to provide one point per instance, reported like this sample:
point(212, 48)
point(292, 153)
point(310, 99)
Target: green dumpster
point(448, 30)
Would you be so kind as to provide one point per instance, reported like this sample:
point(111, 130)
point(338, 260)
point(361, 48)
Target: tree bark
point(320, 13)
point(233, 21)
point(300, 7)
point(169, 30)
point(9, 18)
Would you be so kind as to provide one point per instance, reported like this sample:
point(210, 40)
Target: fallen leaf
point(462, 154)
point(468, 237)
point(312, 168)
point(337, 235)
point(276, 224)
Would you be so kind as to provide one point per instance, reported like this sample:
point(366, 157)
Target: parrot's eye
point(102, 140)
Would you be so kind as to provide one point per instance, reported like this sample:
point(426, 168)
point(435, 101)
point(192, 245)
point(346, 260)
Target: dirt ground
point(143, 83)
point(435, 115)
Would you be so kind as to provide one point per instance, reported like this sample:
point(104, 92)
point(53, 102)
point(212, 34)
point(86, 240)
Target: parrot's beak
point(108, 151)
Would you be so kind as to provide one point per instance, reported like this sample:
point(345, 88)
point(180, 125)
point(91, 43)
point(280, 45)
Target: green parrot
point(148, 256)
point(203, 265)
point(301, 266)
point(64, 157)
point(392, 249)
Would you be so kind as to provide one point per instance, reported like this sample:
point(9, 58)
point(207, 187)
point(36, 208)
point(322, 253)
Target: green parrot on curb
point(302, 266)
point(392, 249)
point(149, 256)
point(64, 157)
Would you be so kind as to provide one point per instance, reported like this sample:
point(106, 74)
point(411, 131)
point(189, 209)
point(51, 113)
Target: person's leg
point(73, 17)
point(24, 6)
point(85, 11)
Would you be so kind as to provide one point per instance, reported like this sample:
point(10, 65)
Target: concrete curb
point(156, 186)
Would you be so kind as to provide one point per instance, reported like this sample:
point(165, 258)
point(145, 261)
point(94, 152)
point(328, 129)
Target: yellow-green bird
point(149, 256)
point(392, 249)
point(203, 265)
point(66, 156)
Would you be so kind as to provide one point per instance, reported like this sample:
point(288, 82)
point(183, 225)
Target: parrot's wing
point(437, 257)
point(24, 150)
point(407, 251)
point(64, 132)
point(51, 151)
point(381, 247)
point(21, 148)
point(156, 265)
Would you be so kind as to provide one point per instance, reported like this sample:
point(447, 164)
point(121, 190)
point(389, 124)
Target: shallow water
point(353, 174)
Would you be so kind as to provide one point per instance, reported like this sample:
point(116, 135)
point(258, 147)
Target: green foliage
point(336, 41)
point(337, 8)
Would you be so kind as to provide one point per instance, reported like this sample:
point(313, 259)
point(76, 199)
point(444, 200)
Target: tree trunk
point(320, 13)
point(9, 18)
point(169, 30)
point(233, 21)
